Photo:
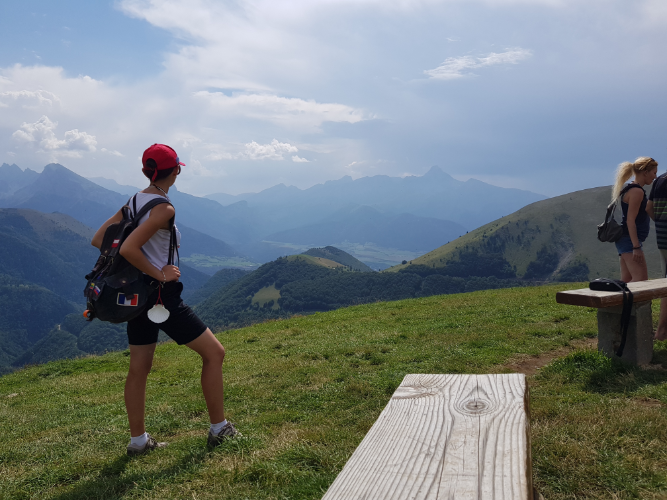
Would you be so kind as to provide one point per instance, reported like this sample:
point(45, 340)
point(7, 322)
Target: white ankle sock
point(139, 440)
point(215, 428)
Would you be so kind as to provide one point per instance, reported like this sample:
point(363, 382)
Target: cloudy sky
point(546, 95)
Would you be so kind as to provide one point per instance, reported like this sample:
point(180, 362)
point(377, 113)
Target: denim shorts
point(624, 245)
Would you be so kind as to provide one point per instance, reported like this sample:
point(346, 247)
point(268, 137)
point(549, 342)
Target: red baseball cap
point(164, 156)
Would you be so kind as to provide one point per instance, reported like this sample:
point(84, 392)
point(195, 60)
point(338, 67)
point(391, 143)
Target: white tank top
point(156, 249)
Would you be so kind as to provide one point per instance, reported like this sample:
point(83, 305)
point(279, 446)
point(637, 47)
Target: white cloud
point(297, 159)
point(273, 151)
point(306, 70)
point(287, 111)
point(27, 97)
point(655, 12)
point(112, 152)
point(455, 67)
point(219, 155)
point(42, 134)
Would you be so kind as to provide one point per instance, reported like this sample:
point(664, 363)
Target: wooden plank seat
point(639, 345)
point(445, 437)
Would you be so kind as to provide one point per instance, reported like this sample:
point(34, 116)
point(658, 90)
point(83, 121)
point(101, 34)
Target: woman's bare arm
point(99, 235)
point(649, 209)
point(131, 249)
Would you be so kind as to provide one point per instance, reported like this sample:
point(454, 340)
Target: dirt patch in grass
point(647, 402)
point(530, 364)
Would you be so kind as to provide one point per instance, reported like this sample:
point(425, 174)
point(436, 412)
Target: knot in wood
point(476, 406)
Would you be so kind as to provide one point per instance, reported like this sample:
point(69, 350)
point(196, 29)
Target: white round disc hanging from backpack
point(158, 313)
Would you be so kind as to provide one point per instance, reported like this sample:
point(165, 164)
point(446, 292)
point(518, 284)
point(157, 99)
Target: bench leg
point(639, 344)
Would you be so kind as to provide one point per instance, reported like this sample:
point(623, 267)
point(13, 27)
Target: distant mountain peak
point(13, 167)
point(56, 167)
point(435, 172)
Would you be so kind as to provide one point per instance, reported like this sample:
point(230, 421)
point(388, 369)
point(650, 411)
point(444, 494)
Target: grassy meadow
point(304, 392)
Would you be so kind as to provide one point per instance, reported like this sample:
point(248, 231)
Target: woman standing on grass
point(636, 222)
point(147, 249)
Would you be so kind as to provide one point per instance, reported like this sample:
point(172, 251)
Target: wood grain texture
point(642, 291)
point(445, 437)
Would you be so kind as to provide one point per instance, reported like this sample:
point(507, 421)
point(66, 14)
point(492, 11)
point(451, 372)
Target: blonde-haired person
point(636, 221)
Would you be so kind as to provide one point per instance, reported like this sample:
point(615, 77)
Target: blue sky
point(545, 95)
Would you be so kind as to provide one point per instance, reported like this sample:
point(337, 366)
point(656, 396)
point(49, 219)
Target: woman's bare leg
point(141, 361)
point(633, 271)
point(212, 354)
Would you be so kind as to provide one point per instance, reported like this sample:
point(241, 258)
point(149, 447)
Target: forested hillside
point(255, 297)
point(338, 255)
point(216, 283)
point(43, 261)
point(41, 249)
point(299, 284)
point(550, 240)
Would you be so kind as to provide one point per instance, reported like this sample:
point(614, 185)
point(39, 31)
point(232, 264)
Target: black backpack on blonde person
point(610, 230)
point(116, 291)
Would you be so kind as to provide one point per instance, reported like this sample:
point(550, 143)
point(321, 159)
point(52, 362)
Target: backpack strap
point(627, 188)
point(144, 210)
point(147, 208)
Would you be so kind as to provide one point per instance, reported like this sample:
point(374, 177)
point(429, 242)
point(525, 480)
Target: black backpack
point(610, 230)
point(116, 291)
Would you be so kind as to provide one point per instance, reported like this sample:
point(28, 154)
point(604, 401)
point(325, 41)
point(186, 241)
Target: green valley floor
point(304, 392)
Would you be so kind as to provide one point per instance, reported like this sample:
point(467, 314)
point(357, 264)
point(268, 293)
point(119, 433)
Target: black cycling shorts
point(183, 325)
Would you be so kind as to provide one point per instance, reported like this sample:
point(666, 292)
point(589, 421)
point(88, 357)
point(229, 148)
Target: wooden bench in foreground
point(445, 437)
point(639, 344)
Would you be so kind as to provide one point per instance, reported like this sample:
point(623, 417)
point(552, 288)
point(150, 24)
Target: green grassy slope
point(338, 255)
point(565, 224)
point(304, 391)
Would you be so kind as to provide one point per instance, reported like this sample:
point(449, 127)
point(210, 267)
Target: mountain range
point(393, 218)
point(436, 194)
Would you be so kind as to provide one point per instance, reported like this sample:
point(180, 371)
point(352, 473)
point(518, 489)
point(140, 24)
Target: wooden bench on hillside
point(639, 344)
point(445, 437)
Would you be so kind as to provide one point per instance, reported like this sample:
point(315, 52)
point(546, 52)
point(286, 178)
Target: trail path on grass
point(530, 364)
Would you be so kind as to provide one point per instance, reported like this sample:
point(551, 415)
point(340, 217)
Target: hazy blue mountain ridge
point(418, 214)
point(12, 178)
point(436, 194)
point(366, 224)
point(58, 189)
point(112, 185)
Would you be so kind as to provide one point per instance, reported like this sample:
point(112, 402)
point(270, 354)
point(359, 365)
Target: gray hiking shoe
point(227, 432)
point(151, 444)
